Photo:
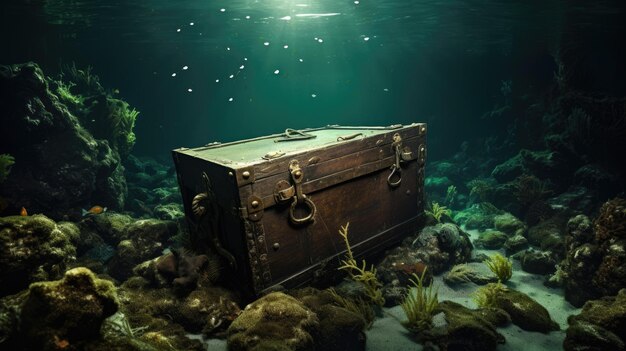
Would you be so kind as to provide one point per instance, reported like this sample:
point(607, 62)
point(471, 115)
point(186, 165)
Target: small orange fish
point(23, 212)
point(96, 210)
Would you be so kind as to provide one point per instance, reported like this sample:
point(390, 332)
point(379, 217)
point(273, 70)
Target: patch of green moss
point(6, 161)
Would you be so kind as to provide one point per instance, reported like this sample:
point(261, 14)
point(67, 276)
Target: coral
point(501, 266)
point(419, 306)
point(611, 220)
point(437, 211)
point(6, 161)
point(360, 273)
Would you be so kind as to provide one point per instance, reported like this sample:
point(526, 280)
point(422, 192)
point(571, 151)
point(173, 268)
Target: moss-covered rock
point(339, 328)
point(509, 224)
point(456, 327)
point(538, 262)
point(147, 239)
point(601, 325)
point(274, 322)
point(34, 248)
point(492, 239)
point(525, 312)
point(62, 314)
point(515, 244)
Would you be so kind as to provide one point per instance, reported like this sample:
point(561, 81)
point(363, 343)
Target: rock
point(63, 312)
point(466, 273)
point(538, 262)
point(525, 312)
point(478, 216)
point(437, 247)
point(339, 329)
point(596, 177)
point(552, 227)
point(492, 239)
point(515, 244)
point(147, 240)
point(170, 212)
point(509, 224)
point(109, 226)
point(599, 326)
point(34, 248)
point(275, 321)
point(437, 185)
point(394, 294)
point(577, 199)
point(595, 261)
point(463, 329)
point(67, 167)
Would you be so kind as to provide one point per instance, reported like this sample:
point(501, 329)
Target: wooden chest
point(272, 206)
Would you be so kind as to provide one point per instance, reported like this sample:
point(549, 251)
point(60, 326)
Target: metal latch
point(292, 134)
point(402, 154)
point(284, 192)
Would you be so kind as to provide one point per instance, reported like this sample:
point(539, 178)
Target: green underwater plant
point(122, 119)
point(450, 195)
point(6, 161)
point(420, 303)
point(63, 91)
point(437, 211)
point(487, 296)
point(530, 189)
point(480, 188)
point(355, 305)
point(367, 277)
point(501, 266)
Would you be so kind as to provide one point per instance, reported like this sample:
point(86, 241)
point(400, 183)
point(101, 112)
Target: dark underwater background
point(526, 109)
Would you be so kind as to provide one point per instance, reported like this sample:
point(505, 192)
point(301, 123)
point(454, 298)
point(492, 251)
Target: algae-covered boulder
point(601, 325)
point(339, 329)
point(274, 322)
point(509, 224)
point(492, 239)
point(67, 167)
point(146, 240)
point(66, 313)
point(456, 327)
point(34, 248)
point(525, 312)
point(538, 262)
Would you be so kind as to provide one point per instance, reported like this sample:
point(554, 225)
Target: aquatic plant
point(501, 266)
point(419, 304)
point(530, 189)
point(460, 273)
point(480, 188)
point(366, 277)
point(355, 305)
point(437, 211)
point(63, 91)
point(6, 161)
point(450, 195)
point(85, 80)
point(487, 296)
point(122, 119)
point(611, 221)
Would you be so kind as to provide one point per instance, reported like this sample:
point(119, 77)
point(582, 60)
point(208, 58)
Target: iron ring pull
point(397, 171)
point(303, 220)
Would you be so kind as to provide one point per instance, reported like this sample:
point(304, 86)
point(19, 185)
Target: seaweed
point(487, 296)
point(367, 277)
point(501, 266)
point(480, 188)
point(355, 305)
point(6, 161)
point(530, 189)
point(419, 306)
point(437, 211)
point(450, 195)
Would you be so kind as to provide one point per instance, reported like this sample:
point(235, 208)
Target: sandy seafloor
point(388, 334)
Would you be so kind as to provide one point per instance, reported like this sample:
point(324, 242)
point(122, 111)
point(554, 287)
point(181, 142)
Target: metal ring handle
point(302, 220)
point(394, 170)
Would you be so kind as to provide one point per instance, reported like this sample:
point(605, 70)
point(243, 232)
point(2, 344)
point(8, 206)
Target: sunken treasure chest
point(272, 206)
